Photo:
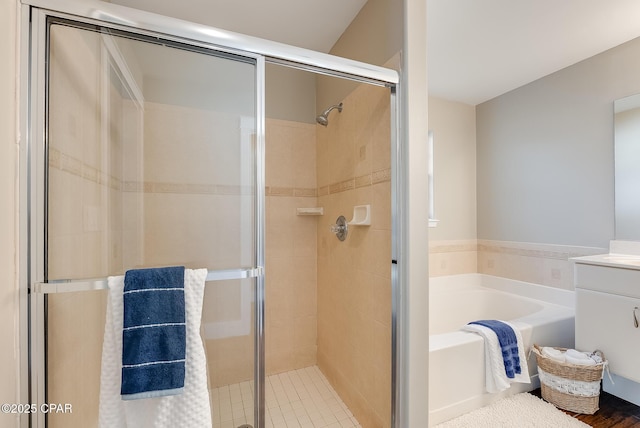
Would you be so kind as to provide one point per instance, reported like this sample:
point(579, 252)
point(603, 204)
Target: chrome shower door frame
point(33, 190)
point(36, 163)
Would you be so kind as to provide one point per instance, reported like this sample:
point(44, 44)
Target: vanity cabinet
point(608, 315)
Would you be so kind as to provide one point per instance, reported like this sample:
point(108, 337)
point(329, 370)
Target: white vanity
point(608, 314)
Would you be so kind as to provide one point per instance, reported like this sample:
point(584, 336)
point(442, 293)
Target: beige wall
point(454, 132)
point(415, 309)
point(374, 36)
point(354, 276)
point(290, 94)
point(452, 243)
point(9, 357)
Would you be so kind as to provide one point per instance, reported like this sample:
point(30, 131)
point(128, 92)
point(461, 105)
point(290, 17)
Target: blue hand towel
point(154, 333)
point(508, 345)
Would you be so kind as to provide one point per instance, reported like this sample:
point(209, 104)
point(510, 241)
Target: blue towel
point(154, 333)
point(508, 345)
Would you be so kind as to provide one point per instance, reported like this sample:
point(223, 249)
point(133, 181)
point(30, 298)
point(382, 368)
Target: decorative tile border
point(357, 182)
point(307, 193)
point(363, 181)
point(291, 191)
point(133, 186)
point(187, 188)
point(545, 251)
point(71, 165)
point(66, 163)
point(342, 186)
point(54, 158)
point(453, 246)
point(279, 191)
point(381, 176)
point(212, 189)
point(63, 162)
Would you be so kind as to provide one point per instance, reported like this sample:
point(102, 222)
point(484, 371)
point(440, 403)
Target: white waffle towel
point(496, 379)
point(190, 409)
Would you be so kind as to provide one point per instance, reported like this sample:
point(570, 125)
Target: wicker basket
point(565, 388)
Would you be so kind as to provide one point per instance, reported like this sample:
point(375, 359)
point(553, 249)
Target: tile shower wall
point(354, 276)
point(291, 284)
point(174, 194)
point(181, 205)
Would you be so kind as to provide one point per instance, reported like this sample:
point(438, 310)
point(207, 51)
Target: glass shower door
point(153, 158)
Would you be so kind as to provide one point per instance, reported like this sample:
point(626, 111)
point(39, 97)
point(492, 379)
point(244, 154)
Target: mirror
point(627, 168)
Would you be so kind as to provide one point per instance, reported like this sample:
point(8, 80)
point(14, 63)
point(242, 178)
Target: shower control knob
point(341, 229)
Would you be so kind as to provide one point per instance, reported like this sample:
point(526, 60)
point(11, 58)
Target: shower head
point(323, 119)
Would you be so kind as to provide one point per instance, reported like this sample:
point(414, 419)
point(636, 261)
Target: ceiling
point(477, 49)
point(304, 23)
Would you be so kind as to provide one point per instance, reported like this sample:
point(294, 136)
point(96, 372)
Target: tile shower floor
point(299, 398)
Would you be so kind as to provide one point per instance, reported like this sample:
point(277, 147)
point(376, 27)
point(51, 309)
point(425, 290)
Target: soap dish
point(361, 216)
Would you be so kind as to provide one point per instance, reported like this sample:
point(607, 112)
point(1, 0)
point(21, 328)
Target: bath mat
point(517, 411)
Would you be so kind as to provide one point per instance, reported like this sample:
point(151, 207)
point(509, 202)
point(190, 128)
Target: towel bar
point(73, 285)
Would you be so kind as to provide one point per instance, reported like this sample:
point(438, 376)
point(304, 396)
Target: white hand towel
point(496, 379)
point(192, 408)
point(579, 358)
point(576, 354)
point(553, 353)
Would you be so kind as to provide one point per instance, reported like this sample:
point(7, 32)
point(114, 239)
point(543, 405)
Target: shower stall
point(152, 143)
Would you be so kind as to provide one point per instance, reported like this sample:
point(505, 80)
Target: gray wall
point(545, 153)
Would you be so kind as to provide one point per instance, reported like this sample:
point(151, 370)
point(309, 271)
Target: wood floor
point(613, 413)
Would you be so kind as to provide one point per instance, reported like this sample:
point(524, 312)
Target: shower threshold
point(298, 398)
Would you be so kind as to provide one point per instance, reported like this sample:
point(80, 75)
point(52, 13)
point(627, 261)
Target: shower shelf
point(310, 211)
